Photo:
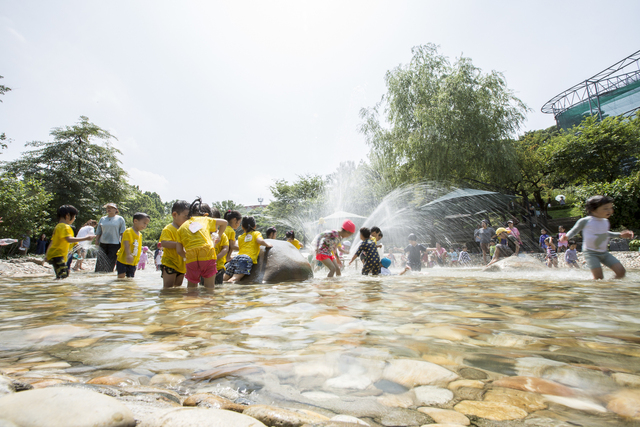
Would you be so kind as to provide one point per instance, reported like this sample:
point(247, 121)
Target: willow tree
point(444, 121)
point(74, 169)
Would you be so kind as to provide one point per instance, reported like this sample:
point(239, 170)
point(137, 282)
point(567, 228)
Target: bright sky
point(220, 99)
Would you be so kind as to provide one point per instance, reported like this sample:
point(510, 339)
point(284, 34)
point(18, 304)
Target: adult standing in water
point(108, 236)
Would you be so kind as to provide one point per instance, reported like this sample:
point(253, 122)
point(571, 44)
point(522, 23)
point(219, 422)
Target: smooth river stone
point(535, 385)
point(530, 402)
point(490, 410)
point(190, 417)
point(454, 385)
point(575, 403)
point(445, 416)
point(273, 416)
point(431, 395)
point(625, 403)
point(112, 380)
point(167, 379)
point(348, 419)
point(65, 407)
point(404, 417)
point(411, 373)
point(208, 400)
point(348, 381)
point(627, 380)
point(404, 400)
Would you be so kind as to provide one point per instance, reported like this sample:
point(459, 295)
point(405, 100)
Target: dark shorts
point(220, 276)
point(484, 247)
point(127, 270)
point(415, 266)
point(241, 264)
point(168, 270)
point(505, 250)
point(60, 267)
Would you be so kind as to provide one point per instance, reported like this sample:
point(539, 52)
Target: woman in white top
point(86, 230)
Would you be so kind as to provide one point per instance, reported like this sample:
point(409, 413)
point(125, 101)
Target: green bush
point(634, 245)
point(626, 199)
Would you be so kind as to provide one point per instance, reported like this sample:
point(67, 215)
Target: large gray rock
point(64, 407)
point(515, 263)
point(282, 263)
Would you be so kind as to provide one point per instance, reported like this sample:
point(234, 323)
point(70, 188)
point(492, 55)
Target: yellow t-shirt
point(373, 239)
point(295, 243)
point(135, 240)
point(170, 257)
point(224, 241)
point(59, 245)
point(231, 233)
point(195, 236)
point(248, 245)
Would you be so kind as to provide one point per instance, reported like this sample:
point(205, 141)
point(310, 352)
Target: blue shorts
point(594, 259)
point(239, 265)
point(127, 270)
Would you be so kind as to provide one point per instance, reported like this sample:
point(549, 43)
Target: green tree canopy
point(597, 151)
point(24, 207)
point(227, 205)
point(74, 169)
point(443, 121)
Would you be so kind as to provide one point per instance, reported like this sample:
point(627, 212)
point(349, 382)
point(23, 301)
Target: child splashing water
point(596, 235)
point(327, 246)
point(249, 248)
point(195, 242)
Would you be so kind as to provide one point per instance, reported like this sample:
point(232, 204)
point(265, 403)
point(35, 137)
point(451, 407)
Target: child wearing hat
point(507, 245)
point(386, 263)
point(327, 246)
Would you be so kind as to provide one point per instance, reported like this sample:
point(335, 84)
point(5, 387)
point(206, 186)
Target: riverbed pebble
point(189, 417)
point(65, 407)
point(533, 384)
point(209, 400)
point(625, 403)
point(490, 410)
point(527, 401)
point(432, 395)
point(274, 416)
point(411, 373)
point(445, 416)
point(348, 419)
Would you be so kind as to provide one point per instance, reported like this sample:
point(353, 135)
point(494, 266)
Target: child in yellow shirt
point(249, 248)
point(172, 265)
point(222, 249)
point(291, 238)
point(194, 240)
point(129, 252)
point(61, 240)
point(233, 219)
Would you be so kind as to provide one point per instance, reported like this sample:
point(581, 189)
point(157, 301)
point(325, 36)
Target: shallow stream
point(340, 345)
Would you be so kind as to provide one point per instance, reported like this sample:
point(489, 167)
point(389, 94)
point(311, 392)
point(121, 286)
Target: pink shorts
point(197, 269)
point(322, 257)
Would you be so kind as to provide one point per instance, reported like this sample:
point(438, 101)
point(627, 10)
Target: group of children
point(198, 243)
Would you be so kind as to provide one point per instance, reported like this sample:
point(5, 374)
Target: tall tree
point(443, 121)
point(24, 207)
point(3, 89)
point(74, 169)
point(597, 151)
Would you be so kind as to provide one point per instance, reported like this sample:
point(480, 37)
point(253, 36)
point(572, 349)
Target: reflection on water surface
point(317, 342)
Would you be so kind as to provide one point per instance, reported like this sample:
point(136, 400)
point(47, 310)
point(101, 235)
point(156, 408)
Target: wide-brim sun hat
point(349, 226)
point(502, 230)
point(111, 205)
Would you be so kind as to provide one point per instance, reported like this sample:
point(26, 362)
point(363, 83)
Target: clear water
point(296, 342)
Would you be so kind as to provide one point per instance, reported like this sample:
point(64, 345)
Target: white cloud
point(147, 181)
